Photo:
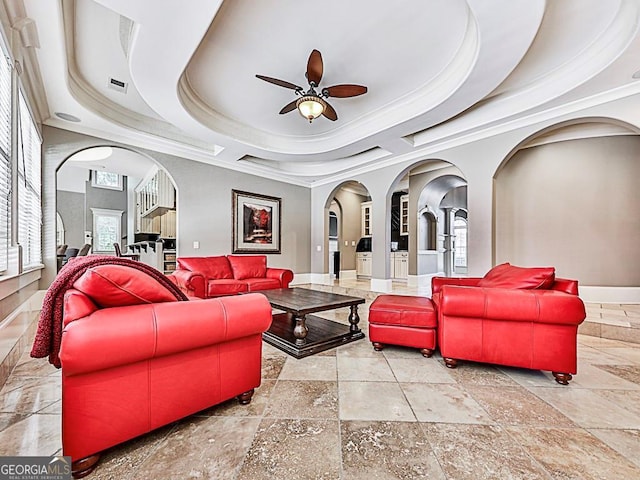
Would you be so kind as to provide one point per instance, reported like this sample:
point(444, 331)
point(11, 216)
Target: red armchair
point(134, 359)
point(513, 316)
point(207, 277)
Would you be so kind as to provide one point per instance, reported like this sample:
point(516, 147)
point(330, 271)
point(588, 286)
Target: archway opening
point(107, 195)
point(435, 190)
point(348, 245)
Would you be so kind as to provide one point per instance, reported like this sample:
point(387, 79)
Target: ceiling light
point(67, 116)
point(311, 107)
point(92, 154)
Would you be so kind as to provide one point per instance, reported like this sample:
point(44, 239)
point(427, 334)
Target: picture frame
point(257, 222)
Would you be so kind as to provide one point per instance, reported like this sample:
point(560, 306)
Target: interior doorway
point(460, 242)
point(334, 246)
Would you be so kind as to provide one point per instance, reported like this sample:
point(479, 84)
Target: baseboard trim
point(422, 280)
point(348, 275)
point(320, 278)
point(18, 332)
point(383, 285)
point(301, 279)
point(593, 294)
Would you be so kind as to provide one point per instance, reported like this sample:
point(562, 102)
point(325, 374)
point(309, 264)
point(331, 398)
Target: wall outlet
point(196, 245)
point(353, 243)
point(319, 248)
point(346, 243)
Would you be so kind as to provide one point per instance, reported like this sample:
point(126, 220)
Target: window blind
point(5, 160)
point(29, 187)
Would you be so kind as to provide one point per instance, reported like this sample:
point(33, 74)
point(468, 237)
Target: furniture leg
point(377, 346)
point(562, 378)
point(245, 398)
point(426, 352)
point(354, 318)
point(450, 362)
point(300, 331)
point(84, 466)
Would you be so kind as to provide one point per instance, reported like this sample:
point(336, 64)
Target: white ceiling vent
point(118, 85)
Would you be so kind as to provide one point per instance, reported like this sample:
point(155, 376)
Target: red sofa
point(208, 277)
point(134, 358)
point(520, 317)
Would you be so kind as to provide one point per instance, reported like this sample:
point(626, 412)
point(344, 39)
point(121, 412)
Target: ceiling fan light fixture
point(311, 107)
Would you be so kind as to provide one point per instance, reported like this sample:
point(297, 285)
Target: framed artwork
point(256, 223)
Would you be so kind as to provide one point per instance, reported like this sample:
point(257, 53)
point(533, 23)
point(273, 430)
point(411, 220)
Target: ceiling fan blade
point(280, 83)
point(346, 90)
point(314, 67)
point(288, 107)
point(330, 113)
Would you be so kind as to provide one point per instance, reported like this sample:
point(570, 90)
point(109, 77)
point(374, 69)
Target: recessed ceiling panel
point(393, 51)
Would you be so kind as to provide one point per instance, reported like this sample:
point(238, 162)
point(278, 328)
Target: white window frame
point(98, 212)
point(5, 158)
point(460, 233)
point(29, 173)
point(94, 181)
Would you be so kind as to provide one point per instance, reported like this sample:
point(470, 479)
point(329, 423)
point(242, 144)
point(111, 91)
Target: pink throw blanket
point(49, 334)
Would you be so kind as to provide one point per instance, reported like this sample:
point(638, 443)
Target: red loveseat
point(208, 277)
point(134, 358)
point(520, 317)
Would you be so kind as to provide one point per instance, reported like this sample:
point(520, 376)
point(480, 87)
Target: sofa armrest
point(116, 336)
point(539, 306)
point(283, 275)
point(438, 282)
point(191, 283)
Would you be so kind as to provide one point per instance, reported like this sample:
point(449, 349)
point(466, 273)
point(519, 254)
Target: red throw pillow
point(119, 285)
point(250, 266)
point(509, 276)
point(213, 268)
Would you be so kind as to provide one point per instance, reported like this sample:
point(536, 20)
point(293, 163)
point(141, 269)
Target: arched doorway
point(350, 242)
point(334, 240)
point(107, 194)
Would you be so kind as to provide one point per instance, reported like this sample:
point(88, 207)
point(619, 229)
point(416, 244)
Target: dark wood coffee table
point(300, 334)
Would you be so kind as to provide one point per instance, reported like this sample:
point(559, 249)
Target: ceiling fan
point(312, 104)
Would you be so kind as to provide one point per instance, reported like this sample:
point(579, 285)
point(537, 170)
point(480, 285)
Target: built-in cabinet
point(168, 261)
point(159, 254)
point(363, 264)
point(156, 205)
point(399, 265)
point(404, 215)
point(366, 230)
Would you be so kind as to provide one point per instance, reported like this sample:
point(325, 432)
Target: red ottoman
point(403, 320)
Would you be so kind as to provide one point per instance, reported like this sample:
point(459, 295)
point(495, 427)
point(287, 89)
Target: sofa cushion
point(248, 266)
point(211, 267)
point(403, 310)
point(76, 305)
point(506, 275)
point(119, 285)
point(256, 284)
point(217, 288)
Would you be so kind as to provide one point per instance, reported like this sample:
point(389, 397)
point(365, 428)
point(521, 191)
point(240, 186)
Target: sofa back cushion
point(248, 266)
point(76, 305)
point(213, 268)
point(509, 276)
point(119, 285)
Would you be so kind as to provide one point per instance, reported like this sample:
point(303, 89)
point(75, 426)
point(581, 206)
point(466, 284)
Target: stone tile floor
point(353, 413)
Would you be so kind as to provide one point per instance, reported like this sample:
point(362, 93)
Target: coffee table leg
point(354, 318)
point(300, 330)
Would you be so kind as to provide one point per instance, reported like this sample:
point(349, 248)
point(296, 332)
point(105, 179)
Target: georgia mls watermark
point(35, 468)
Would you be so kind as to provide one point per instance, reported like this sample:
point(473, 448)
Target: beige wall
point(573, 205)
